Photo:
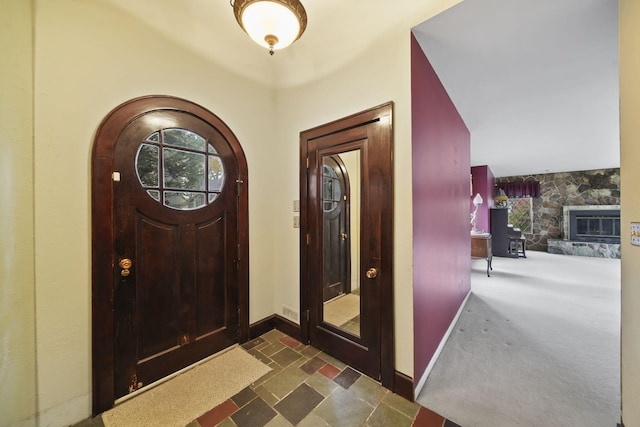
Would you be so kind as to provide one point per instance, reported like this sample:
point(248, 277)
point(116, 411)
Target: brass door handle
point(371, 273)
point(343, 236)
point(125, 264)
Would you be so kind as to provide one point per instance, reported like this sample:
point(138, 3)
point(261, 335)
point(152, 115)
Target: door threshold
point(334, 298)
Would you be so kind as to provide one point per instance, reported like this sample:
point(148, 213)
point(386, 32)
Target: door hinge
point(308, 239)
point(307, 163)
point(239, 182)
point(308, 315)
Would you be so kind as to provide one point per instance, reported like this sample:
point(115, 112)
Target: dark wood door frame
point(387, 343)
point(103, 232)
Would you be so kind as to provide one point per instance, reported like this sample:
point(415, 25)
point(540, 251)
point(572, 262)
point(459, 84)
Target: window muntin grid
point(180, 169)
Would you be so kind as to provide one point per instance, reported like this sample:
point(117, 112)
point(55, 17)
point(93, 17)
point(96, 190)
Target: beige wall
point(352, 163)
point(90, 57)
point(630, 207)
point(380, 74)
point(367, 82)
point(17, 320)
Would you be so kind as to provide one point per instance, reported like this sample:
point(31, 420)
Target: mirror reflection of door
point(341, 240)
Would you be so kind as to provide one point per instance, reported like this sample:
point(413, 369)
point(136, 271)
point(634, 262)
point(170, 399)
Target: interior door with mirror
point(346, 237)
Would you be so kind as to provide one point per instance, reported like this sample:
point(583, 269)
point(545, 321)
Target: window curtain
point(521, 189)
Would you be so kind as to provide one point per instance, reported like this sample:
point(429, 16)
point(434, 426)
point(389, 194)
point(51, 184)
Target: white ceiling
point(536, 81)
point(337, 32)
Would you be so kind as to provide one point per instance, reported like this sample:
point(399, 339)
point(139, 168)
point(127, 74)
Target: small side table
point(481, 248)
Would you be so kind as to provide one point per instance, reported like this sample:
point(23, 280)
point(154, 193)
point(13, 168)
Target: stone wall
point(594, 187)
point(590, 249)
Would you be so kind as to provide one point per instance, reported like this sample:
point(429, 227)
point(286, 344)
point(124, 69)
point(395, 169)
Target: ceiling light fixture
point(274, 24)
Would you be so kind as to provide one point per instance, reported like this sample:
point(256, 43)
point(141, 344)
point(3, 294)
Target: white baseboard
point(443, 341)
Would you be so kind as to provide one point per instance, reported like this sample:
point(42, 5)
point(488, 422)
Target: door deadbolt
point(125, 264)
point(371, 273)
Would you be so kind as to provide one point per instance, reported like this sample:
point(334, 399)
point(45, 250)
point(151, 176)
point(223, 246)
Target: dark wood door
point(170, 270)
point(176, 221)
point(366, 137)
point(335, 213)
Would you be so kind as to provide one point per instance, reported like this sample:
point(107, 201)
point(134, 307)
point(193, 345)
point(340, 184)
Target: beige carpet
point(184, 398)
point(340, 310)
point(538, 344)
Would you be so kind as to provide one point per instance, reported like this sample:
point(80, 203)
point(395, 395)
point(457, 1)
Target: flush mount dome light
point(274, 24)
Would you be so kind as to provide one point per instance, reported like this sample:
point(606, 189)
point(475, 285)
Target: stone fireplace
point(589, 230)
point(579, 188)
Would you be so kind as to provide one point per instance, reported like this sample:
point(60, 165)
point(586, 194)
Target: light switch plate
point(635, 233)
point(296, 222)
point(296, 205)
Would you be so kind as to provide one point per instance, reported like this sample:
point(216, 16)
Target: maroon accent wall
point(483, 183)
point(441, 245)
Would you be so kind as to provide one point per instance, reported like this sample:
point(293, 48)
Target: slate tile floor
point(309, 388)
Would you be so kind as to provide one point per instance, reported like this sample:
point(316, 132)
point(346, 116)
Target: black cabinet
point(500, 232)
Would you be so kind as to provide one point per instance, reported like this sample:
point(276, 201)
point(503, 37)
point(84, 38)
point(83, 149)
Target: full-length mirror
point(341, 203)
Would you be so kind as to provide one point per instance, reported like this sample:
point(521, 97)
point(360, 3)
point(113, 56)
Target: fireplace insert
point(602, 226)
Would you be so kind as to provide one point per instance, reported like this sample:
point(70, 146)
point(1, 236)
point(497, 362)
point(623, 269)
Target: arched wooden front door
point(170, 243)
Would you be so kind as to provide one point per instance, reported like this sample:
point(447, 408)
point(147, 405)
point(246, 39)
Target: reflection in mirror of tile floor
point(343, 311)
point(307, 387)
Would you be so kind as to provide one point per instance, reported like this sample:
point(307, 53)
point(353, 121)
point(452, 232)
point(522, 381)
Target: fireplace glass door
point(596, 226)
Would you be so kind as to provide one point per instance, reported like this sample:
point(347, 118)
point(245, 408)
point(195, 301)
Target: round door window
point(331, 189)
point(180, 169)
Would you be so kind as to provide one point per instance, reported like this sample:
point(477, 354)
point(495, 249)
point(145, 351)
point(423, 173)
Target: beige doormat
point(189, 395)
